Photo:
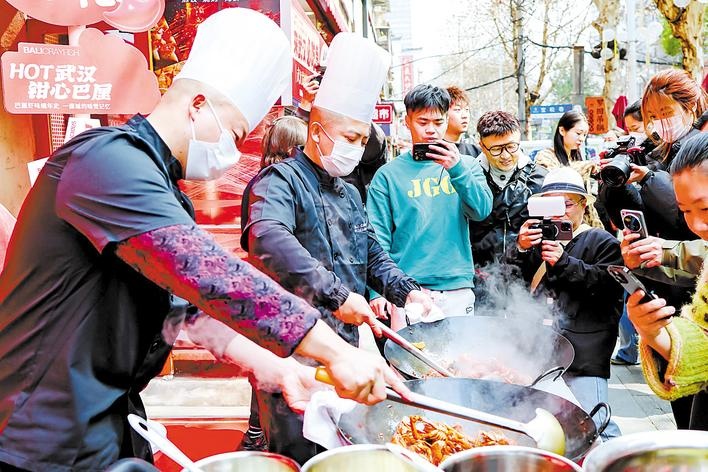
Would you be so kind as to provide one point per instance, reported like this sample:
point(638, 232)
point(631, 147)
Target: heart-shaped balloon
point(135, 15)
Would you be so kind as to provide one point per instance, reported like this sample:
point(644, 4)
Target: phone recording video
point(420, 151)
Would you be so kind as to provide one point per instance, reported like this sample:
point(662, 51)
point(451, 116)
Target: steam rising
point(507, 330)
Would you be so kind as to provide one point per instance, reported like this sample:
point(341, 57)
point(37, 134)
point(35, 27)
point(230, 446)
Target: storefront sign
point(383, 114)
point(597, 115)
point(126, 15)
point(102, 75)
point(309, 49)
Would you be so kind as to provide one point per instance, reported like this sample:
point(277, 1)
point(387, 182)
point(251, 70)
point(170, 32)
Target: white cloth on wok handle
point(321, 417)
point(557, 387)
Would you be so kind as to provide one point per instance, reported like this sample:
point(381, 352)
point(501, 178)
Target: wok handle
point(411, 349)
point(606, 421)
point(548, 373)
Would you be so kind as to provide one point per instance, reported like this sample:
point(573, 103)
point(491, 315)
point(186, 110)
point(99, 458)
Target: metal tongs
point(544, 428)
point(411, 349)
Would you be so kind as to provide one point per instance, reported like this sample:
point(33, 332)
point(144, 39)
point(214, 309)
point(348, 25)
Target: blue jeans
point(629, 340)
point(589, 391)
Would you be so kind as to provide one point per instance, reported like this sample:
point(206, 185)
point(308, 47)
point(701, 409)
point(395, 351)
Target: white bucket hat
point(565, 180)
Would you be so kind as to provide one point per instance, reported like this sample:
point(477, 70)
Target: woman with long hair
point(571, 132)
point(671, 104)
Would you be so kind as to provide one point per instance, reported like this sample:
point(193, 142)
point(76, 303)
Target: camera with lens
point(555, 230)
point(546, 208)
point(623, 155)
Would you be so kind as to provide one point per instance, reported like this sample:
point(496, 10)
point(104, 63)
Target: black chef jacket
point(334, 251)
point(81, 332)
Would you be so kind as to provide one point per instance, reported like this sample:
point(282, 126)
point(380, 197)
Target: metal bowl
point(665, 451)
point(242, 461)
point(361, 457)
point(508, 459)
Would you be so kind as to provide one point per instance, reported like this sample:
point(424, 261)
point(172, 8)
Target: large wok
point(529, 348)
point(376, 424)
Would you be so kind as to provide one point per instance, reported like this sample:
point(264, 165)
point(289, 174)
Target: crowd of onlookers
point(445, 215)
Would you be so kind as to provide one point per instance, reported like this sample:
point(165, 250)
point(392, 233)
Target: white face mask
point(343, 159)
point(670, 129)
point(209, 161)
point(639, 137)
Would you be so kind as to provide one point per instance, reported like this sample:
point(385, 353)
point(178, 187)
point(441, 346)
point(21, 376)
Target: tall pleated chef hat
point(356, 71)
point(244, 55)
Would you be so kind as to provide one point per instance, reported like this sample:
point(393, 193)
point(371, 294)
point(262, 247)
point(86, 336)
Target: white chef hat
point(356, 71)
point(244, 55)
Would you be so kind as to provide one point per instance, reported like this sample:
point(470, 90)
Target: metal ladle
point(411, 349)
point(544, 428)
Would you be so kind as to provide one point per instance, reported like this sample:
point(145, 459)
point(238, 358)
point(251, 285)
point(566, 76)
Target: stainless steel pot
point(246, 461)
point(654, 451)
point(508, 459)
point(358, 458)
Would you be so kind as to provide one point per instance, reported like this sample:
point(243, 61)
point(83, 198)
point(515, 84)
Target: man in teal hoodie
point(420, 208)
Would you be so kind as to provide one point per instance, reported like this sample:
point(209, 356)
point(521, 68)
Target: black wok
point(376, 424)
point(529, 348)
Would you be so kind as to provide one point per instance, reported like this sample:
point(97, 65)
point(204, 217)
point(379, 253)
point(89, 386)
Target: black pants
point(699, 411)
point(681, 409)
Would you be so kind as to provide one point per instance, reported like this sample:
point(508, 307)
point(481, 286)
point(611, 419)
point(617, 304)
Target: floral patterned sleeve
point(188, 262)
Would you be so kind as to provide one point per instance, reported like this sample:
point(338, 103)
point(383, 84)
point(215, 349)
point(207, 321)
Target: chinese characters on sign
point(308, 48)
point(101, 75)
point(406, 73)
point(383, 114)
point(597, 115)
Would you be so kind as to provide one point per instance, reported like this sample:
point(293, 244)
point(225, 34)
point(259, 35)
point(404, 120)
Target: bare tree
point(608, 17)
point(687, 26)
point(561, 27)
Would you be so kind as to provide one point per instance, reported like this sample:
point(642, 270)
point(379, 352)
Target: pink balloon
point(135, 15)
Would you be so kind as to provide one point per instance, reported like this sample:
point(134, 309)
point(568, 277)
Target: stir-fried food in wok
point(488, 369)
point(436, 441)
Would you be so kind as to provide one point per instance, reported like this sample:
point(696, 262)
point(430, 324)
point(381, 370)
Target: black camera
point(555, 230)
point(623, 155)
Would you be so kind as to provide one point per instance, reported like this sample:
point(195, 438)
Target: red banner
point(309, 48)
point(597, 115)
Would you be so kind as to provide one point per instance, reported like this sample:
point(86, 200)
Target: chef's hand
point(287, 376)
point(637, 250)
point(444, 153)
point(551, 251)
point(356, 310)
point(529, 237)
point(381, 307)
point(650, 320)
point(363, 376)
